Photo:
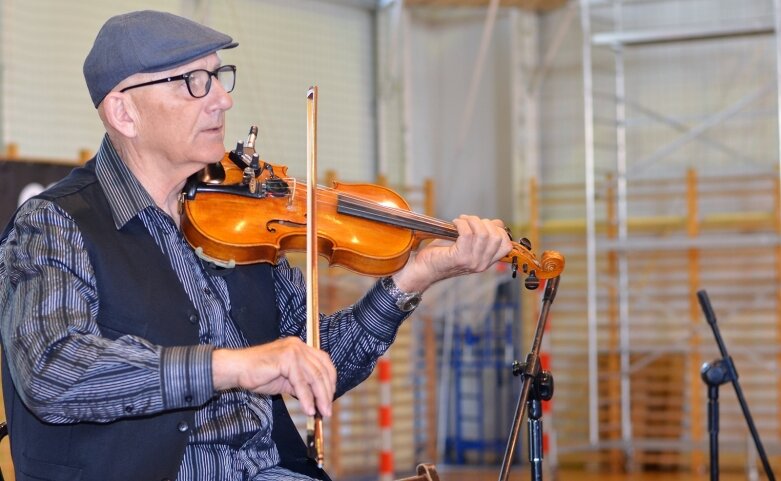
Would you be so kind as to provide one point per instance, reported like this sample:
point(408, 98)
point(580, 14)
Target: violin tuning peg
point(514, 266)
point(509, 233)
point(526, 243)
point(532, 282)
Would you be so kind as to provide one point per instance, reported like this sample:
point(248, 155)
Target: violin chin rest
point(229, 264)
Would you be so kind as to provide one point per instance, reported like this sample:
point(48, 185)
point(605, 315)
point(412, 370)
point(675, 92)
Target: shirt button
point(193, 318)
point(182, 427)
point(188, 399)
point(128, 409)
point(207, 291)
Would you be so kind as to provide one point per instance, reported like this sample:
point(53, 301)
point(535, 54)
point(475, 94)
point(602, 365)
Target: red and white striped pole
point(385, 419)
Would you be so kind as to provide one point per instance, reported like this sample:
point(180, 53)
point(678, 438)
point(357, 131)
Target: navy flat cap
point(146, 41)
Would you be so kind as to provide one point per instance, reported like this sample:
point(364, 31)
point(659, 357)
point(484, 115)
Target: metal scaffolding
point(611, 31)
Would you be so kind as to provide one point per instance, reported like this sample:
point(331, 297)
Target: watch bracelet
point(391, 288)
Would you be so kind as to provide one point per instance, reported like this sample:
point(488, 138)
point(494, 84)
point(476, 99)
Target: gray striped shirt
point(66, 371)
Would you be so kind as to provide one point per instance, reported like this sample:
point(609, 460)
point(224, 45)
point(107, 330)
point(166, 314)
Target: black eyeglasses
point(199, 82)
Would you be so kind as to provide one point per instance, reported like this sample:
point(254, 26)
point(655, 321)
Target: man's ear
point(120, 113)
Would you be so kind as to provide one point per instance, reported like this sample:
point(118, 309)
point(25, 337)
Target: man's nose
point(221, 98)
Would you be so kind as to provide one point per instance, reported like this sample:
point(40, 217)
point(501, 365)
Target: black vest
point(139, 294)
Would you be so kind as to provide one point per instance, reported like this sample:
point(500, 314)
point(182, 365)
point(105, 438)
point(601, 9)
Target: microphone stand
point(715, 374)
point(537, 383)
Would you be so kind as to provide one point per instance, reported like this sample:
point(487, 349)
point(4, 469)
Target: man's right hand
point(285, 366)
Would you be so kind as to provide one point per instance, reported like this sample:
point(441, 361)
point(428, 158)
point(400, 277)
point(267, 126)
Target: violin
point(242, 210)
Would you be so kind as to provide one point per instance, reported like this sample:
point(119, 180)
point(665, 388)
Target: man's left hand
point(480, 244)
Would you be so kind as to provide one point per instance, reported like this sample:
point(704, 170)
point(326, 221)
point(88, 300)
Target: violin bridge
point(291, 194)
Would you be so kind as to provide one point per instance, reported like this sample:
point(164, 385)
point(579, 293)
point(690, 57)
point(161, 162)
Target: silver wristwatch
point(405, 301)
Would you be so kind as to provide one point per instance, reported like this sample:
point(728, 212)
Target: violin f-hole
point(283, 222)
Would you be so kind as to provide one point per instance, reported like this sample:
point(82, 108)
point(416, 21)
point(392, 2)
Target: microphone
point(253, 135)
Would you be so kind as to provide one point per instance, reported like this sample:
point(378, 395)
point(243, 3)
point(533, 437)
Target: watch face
point(409, 303)
point(406, 301)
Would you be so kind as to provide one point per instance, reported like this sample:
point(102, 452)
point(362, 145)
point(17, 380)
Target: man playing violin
point(124, 356)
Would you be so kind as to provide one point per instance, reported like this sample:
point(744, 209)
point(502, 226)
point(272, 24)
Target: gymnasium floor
point(516, 474)
point(521, 474)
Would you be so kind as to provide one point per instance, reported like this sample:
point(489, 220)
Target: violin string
point(361, 210)
point(397, 212)
point(331, 196)
point(398, 216)
point(376, 211)
point(359, 201)
point(415, 217)
point(451, 232)
point(394, 213)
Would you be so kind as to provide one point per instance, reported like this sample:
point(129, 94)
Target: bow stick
point(314, 424)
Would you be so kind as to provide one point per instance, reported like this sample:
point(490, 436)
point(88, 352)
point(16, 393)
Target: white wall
point(471, 171)
point(46, 108)
point(285, 47)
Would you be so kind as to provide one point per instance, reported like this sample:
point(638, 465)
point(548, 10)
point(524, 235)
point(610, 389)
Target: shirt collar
point(126, 196)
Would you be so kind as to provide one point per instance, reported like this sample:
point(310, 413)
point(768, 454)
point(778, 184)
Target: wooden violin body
point(245, 211)
point(260, 230)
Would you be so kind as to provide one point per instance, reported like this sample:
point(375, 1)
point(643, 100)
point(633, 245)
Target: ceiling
point(536, 5)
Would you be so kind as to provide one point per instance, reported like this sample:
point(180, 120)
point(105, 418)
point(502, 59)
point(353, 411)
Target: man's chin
point(211, 154)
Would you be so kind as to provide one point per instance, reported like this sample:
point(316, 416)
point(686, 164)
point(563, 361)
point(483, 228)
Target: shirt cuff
point(379, 314)
point(186, 374)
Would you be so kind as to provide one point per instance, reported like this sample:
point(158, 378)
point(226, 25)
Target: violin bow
point(314, 424)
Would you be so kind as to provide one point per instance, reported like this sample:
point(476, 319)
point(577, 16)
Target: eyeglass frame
point(186, 77)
